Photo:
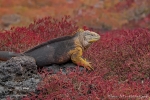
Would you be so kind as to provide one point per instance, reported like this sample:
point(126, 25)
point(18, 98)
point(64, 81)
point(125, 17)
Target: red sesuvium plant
point(78, 85)
point(121, 61)
point(49, 28)
point(18, 39)
point(123, 53)
point(23, 38)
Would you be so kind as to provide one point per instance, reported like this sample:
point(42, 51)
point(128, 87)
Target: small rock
point(9, 19)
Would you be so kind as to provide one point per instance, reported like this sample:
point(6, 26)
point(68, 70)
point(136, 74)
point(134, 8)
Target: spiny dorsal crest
point(78, 31)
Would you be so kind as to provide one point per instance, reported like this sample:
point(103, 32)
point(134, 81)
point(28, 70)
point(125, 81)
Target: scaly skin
point(60, 50)
point(77, 59)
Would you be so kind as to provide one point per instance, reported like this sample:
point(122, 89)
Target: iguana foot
point(88, 66)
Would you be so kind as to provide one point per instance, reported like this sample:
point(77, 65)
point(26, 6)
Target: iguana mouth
point(94, 40)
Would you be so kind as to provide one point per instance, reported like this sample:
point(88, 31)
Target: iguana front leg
point(77, 59)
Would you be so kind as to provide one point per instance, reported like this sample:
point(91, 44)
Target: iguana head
point(87, 37)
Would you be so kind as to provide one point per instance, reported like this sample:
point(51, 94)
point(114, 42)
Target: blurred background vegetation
point(102, 15)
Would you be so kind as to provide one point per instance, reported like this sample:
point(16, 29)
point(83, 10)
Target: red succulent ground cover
point(121, 61)
point(22, 38)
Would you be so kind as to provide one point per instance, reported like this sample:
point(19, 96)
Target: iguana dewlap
point(60, 50)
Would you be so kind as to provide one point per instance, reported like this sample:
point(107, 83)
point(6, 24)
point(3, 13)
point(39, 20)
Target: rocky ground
point(19, 76)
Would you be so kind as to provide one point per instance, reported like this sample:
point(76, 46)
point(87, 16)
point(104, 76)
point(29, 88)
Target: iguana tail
point(6, 55)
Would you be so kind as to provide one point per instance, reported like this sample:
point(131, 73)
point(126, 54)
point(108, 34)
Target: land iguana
point(60, 50)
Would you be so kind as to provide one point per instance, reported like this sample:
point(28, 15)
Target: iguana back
point(53, 51)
